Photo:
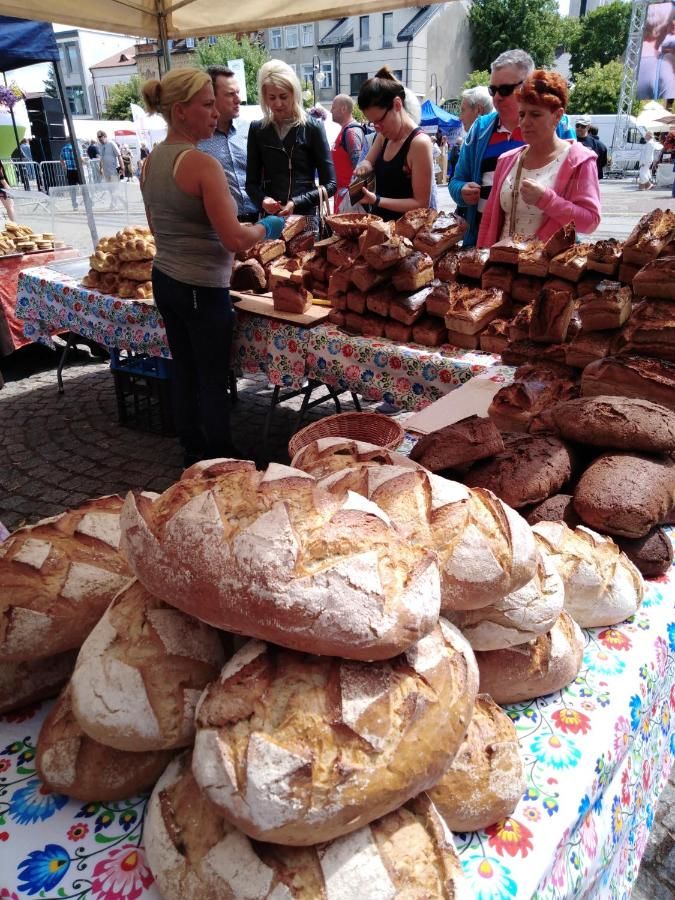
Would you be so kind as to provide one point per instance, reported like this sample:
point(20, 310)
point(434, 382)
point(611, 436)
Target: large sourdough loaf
point(602, 586)
point(624, 423)
point(195, 853)
point(332, 454)
point(484, 548)
point(486, 779)
point(298, 749)
point(27, 682)
point(69, 762)
point(272, 555)
point(57, 578)
point(539, 667)
point(141, 672)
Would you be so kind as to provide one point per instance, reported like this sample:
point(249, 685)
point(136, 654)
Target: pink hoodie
point(574, 197)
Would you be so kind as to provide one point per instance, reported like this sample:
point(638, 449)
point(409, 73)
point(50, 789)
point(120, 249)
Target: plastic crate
point(140, 364)
point(143, 392)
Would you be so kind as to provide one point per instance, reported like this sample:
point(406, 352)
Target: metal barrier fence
point(34, 176)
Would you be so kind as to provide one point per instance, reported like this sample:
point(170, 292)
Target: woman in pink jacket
point(547, 183)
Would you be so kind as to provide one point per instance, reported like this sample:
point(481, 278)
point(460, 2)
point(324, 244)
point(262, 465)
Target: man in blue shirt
point(228, 144)
point(69, 163)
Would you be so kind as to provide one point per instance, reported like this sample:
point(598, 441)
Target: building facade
point(119, 68)
point(79, 50)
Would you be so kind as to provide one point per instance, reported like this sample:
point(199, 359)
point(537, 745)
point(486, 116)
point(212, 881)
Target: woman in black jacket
point(286, 149)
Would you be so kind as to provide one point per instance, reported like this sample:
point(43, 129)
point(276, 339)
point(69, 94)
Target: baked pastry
point(104, 262)
point(290, 297)
point(439, 299)
point(301, 244)
point(294, 226)
point(602, 586)
point(472, 308)
point(388, 254)
point(626, 493)
point(558, 508)
point(495, 336)
point(297, 566)
point(500, 277)
point(651, 330)
point(415, 220)
point(607, 307)
point(365, 277)
point(531, 468)
point(552, 313)
point(631, 376)
point(472, 262)
point(325, 456)
point(408, 309)
point(109, 283)
point(91, 279)
point(68, 762)
point(649, 237)
point(605, 256)
point(570, 264)
point(136, 249)
point(561, 240)
point(195, 853)
point(436, 239)
point(137, 270)
point(27, 682)
point(299, 749)
point(317, 267)
point(456, 445)
point(430, 332)
point(57, 578)
point(525, 288)
point(154, 658)
point(533, 260)
point(266, 251)
point(342, 252)
point(589, 346)
point(414, 272)
point(397, 331)
point(377, 232)
point(507, 251)
point(446, 267)
point(338, 301)
point(656, 279)
point(540, 667)
point(486, 778)
point(651, 554)
point(519, 325)
point(249, 276)
point(621, 423)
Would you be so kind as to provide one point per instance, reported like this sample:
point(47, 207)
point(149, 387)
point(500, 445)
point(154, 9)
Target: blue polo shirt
point(230, 151)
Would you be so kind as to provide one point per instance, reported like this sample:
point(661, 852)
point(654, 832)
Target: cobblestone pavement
point(58, 450)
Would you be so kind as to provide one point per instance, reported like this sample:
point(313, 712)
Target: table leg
point(70, 342)
point(355, 400)
point(268, 418)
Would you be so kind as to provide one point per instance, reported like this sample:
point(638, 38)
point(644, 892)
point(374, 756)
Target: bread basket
point(373, 428)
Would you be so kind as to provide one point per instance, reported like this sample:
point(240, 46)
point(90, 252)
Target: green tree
point(226, 47)
point(476, 78)
point(597, 89)
point(120, 98)
point(51, 89)
point(568, 31)
point(602, 37)
point(498, 25)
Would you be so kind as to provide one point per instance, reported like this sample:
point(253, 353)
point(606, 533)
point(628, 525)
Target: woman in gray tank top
point(194, 220)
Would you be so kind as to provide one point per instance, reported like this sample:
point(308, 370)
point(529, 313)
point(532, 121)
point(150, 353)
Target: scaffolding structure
point(630, 72)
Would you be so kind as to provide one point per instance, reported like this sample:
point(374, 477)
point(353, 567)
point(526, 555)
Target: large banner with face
point(656, 75)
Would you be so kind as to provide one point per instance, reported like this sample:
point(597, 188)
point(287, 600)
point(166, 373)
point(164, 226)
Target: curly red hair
point(544, 88)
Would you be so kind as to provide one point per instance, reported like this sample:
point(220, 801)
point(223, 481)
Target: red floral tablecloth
point(596, 755)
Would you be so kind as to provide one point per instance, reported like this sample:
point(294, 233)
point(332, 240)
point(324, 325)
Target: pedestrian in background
point(346, 150)
point(476, 101)
point(111, 159)
point(69, 164)
point(647, 151)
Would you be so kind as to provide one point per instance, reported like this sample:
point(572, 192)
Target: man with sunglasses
point(490, 136)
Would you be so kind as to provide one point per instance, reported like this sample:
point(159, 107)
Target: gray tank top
point(188, 248)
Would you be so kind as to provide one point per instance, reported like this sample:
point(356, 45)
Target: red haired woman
point(547, 183)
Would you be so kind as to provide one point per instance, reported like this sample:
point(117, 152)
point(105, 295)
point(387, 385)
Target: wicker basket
point(372, 428)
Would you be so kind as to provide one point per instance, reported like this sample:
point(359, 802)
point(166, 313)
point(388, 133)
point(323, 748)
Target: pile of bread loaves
point(339, 774)
point(122, 265)
point(16, 238)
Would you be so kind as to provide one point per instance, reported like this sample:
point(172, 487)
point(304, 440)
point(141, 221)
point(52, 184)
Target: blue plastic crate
point(140, 364)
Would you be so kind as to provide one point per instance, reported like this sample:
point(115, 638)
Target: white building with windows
point(80, 49)
point(116, 69)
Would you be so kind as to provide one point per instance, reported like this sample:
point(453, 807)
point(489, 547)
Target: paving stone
point(649, 887)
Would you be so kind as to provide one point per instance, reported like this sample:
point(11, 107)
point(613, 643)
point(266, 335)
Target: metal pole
point(164, 37)
point(11, 112)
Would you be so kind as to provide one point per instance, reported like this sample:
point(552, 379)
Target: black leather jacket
point(285, 170)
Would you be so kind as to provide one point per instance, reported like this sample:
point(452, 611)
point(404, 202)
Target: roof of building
point(420, 20)
point(121, 58)
point(340, 35)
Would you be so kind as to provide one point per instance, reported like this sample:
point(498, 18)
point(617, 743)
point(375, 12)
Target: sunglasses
point(504, 90)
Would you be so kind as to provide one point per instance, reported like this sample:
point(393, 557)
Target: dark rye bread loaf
point(558, 508)
point(631, 376)
point(623, 423)
point(626, 493)
point(455, 445)
point(531, 468)
point(651, 554)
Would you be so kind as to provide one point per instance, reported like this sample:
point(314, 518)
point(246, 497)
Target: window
point(294, 67)
point(292, 37)
point(213, 39)
point(398, 73)
point(69, 58)
point(356, 79)
point(307, 35)
point(387, 30)
point(189, 43)
point(327, 70)
point(633, 136)
point(364, 32)
point(75, 97)
point(275, 38)
point(306, 73)
point(169, 44)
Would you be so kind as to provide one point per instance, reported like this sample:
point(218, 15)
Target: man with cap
point(581, 127)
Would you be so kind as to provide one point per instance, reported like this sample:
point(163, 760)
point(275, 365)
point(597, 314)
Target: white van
point(626, 158)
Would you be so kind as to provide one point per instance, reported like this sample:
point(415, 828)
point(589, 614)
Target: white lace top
point(528, 218)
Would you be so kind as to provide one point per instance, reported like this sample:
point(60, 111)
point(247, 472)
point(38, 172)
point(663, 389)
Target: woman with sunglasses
point(401, 154)
point(547, 183)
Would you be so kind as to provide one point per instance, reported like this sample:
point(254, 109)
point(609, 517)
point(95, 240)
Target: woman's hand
point(470, 193)
point(531, 191)
point(271, 206)
point(286, 210)
point(367, 197)
point(363, 168)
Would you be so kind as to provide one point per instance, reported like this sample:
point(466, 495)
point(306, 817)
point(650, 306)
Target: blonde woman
point(194, 220)
point(286, 149)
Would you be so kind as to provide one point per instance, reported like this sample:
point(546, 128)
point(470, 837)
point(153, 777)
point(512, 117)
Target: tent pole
point(11, 112)
point(164, 38)
point(91, 222)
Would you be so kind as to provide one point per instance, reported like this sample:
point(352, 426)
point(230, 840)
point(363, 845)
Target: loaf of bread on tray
point(649, 237)
point(456, 445)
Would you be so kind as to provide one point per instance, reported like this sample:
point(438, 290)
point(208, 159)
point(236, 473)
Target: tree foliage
point(120, 98)
point(568, 31)
point(51, 90)
point(602, 37)
point(597, 89)
point(498, 25)
point(476, 78)
point(227, 47)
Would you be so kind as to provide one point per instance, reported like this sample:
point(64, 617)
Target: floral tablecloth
point(597, 756)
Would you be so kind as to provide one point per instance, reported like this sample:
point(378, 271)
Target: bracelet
point(378, 200)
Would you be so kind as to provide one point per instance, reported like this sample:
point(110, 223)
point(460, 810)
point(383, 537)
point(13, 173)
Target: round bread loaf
point(602, 586)
point(624, 423)
point(558, 508)
point(485, 550)
point(531, 468)
point(520, 616)
point(486, 779)
point(273, 556)
point(57, 578)
point(298, 749)
point(332, 454)
point(626, 493)
point(195, 853)
point(539, 667)
point(141, 672)
point(27, 682)
point(69, 762)
point(652, 554)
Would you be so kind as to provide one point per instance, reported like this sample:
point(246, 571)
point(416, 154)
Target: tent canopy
point(435, 115)
point(189, 18)
point(23, 43)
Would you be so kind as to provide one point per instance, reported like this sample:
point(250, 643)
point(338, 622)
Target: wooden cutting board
point(262, 305)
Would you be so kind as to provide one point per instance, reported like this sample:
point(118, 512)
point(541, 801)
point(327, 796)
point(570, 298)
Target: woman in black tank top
point(401, 156)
